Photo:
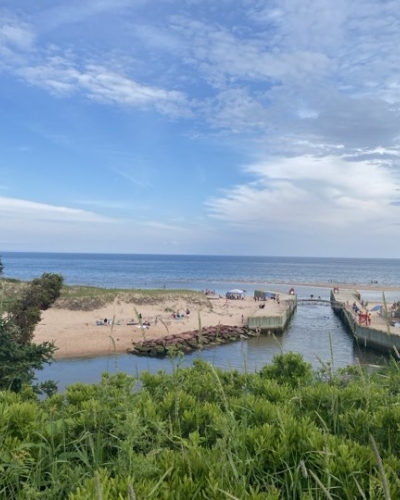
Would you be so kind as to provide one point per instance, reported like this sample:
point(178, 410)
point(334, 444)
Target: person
point(242, 319)
point(187, 311)
point(140, 317)
point(105, 321)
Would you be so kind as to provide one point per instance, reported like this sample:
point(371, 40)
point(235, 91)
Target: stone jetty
point(190, 341)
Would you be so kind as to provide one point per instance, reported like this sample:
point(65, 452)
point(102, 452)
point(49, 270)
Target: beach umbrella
point(236, 290)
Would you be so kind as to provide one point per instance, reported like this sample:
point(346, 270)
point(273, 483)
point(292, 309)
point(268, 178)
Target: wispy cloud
point(157, 225)
point(15, 33)
point(131, 178)
point(31, 210)
point(107, 204)
point(64, 74)
point(76, 11)
point(61, 76)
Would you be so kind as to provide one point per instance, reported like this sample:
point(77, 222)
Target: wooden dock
point(376, 331)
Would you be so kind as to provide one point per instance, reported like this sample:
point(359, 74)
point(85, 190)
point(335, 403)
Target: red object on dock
point(363, 318)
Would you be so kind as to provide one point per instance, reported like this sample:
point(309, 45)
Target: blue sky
point(200, 127)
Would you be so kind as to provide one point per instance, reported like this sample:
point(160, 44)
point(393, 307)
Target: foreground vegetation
point(202, 433)
point(198, 433)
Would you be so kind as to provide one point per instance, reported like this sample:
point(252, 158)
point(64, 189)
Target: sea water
point(198, 271)
point(314, 331)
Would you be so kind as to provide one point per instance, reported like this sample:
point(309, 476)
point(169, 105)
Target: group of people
point(234, 296)
point(178, 315)
point(363, 317)
point(107, 322)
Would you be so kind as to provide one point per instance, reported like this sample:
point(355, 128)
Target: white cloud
point(321, 194)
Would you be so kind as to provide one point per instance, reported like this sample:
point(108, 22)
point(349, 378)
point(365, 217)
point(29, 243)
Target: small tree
point(1, 267)
point(18, 362)
point(38, 296)
point(19, 356)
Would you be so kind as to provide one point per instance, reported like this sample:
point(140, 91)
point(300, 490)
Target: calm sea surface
point(314, 330)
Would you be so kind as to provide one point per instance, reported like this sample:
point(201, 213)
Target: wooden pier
point(371, 326)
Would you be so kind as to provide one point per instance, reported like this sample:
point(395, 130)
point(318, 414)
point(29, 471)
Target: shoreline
point(370, 287)
point(78, 335)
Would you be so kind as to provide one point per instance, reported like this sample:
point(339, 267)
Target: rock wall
point(191, 341)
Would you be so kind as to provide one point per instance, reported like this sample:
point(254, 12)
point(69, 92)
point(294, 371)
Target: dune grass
point(89, 298)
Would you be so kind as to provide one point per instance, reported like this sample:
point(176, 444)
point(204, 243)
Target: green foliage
point(202, 433)
point(288, 368)
point(18, 362)
point(19, 356)
point(39, 295)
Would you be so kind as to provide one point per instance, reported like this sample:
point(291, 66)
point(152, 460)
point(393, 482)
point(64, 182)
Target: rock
point(189, 341)
point(192, 343)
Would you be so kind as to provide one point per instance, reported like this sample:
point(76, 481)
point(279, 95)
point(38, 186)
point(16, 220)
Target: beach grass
point(77, 297)
point(90, 298)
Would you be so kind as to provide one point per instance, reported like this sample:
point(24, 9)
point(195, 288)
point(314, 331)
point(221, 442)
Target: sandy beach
point(77, 334)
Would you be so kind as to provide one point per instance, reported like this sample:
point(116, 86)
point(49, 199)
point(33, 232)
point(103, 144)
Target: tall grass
point(200, 432)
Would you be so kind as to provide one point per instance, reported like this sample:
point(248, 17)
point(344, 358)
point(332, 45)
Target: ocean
point(315, 332)
point(199, 272)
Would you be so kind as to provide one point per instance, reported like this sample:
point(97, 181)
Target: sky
point(246, 127)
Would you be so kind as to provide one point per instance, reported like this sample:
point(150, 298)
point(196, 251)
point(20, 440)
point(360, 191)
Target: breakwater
point(191, 341)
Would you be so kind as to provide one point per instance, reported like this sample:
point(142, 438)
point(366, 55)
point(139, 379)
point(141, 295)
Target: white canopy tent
point(235, 294)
